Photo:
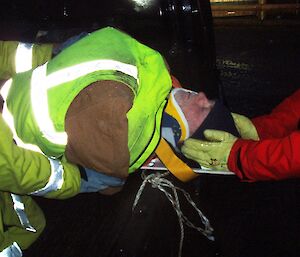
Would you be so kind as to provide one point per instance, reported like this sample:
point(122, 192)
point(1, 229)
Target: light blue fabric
point(98, 181)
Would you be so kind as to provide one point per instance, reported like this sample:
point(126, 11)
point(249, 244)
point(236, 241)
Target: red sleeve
point(269, 159)
point(282, 121)
point(277, 155)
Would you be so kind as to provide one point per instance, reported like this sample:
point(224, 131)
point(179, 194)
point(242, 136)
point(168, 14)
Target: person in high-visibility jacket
point(21, 220)
point(101, 69)
point(97, 104)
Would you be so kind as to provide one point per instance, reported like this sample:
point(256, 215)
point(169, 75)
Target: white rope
point(158, 180)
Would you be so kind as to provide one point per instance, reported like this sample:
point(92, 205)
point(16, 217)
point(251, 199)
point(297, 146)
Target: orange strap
point(175, 82)
point(174, 164)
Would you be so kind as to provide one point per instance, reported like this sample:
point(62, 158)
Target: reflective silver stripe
point(7, 116)
point(5, 89)
point(79, 70)
point(41, 82)
point(39, 101)
point(56, 179)
point(23, 58)
point(20, 210)
point(13, 250)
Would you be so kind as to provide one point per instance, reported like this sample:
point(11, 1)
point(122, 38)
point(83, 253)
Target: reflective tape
point(5, 89)
point(9, 119)
point(41, 82)
point(20, 210)
point(39, 101)
point(76, 71)
point(13, 250)
point(56, 179)
point(23, 57)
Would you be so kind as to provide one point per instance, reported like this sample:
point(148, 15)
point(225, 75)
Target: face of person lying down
point(195, 106)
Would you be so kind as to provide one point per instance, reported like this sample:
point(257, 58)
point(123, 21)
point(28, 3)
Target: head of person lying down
point(189, 113)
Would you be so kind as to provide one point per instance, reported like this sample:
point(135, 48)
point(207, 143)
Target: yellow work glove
point(245, 127)
point(212, 153)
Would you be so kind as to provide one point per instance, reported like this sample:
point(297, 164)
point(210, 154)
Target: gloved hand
point(213, 153)
point(245, 127)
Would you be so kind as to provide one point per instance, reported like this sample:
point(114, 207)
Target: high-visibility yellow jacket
point(11, 230)
point(36, 101)
point(18, 57)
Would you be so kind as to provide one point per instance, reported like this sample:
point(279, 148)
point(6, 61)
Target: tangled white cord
point(157, 180)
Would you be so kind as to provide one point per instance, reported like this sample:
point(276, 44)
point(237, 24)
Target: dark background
point(251, 64)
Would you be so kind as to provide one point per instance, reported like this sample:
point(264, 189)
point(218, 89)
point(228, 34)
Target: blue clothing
point(97, 181)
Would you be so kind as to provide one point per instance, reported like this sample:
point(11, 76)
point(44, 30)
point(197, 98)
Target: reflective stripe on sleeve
point(13, 250)
point(20, 211)
point(56, 179)
point(23, 58)
point(5, 89)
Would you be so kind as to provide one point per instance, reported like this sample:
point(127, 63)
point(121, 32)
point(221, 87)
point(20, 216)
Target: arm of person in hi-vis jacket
point(19, 57)
point(15, 232)
point(27, 172)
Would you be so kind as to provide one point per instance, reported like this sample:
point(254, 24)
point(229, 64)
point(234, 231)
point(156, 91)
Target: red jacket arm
point(269, 159)
point(283, 120)
point(277, 154)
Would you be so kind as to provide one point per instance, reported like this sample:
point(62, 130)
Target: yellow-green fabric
point(151, 89)
point(213, 152)
point(245, 127)
point(24, 171)
point(11, 229)
point(41, 53)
